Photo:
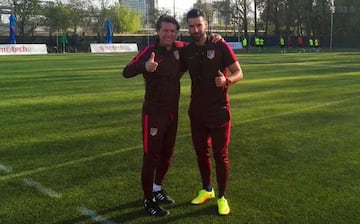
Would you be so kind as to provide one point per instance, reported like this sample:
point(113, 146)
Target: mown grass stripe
point(91, 158)
point(299, 110)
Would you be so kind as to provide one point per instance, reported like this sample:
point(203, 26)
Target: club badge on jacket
point(211, 54)
point(153, 131)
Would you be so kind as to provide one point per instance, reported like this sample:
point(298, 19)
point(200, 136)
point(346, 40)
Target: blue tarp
point(108, 37)
point(12, 19)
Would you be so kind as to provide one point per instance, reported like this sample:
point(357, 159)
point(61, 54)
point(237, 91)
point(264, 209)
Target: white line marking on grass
point(69, 163)
point(5, 168)
point(41, 188)
point(94, 216)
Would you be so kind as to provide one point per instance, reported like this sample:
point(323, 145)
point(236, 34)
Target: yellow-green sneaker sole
point(203, 196)
point(223, 206)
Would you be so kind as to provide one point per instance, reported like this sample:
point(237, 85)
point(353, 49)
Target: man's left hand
point(214, 37)
point(220, 80)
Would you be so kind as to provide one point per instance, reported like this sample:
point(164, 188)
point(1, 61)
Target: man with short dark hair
point(209, 110)
point(160, 65)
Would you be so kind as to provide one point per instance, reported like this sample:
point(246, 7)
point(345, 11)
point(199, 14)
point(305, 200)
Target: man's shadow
point(138, 213)
point(176, 214)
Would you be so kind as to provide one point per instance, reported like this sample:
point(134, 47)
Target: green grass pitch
point(70, 142)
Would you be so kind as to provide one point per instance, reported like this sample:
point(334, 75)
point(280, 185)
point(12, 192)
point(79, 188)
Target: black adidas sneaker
point(162, 197)
point(153, 209)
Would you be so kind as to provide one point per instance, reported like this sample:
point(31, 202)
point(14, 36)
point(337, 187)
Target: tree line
point(265, 17)
point(87, 15)
point(287, 17)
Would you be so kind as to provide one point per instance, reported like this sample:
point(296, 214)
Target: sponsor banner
point(22, 49)
point(235, 45)
point(113, 48)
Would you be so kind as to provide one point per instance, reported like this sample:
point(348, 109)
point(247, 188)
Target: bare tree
point(239, 15)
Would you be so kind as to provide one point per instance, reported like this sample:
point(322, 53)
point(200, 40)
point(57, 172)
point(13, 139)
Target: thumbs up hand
point(152, 57)
point(220, 79)
point(151, 64)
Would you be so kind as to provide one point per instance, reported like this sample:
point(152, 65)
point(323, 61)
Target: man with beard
point(209, 109)
point(160, 65)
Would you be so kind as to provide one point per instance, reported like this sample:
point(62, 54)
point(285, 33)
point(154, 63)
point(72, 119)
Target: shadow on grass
point(176, 213)
point(137, 214)
point(207, 211)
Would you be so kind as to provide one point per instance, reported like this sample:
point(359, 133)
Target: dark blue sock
point(208, 188)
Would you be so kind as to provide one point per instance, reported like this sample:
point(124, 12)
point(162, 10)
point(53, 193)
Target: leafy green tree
point(129, 21)
point(57, 17)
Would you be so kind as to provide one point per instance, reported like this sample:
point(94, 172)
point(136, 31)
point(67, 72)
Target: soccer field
point(70, 142)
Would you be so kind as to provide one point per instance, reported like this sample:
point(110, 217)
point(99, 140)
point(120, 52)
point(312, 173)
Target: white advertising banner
point(113, 48)
point(22, 49)
point(235, 45)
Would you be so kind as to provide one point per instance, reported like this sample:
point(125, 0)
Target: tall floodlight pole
point(174, 7)
point(239, 27)
point(57, 41)
point(147, 21)
point(332, 11)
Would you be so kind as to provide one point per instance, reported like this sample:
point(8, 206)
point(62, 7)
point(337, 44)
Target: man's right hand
point(151, 64)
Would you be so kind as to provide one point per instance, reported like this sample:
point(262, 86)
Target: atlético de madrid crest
point(153, 131)
point(176, 54)
point(211, 54)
